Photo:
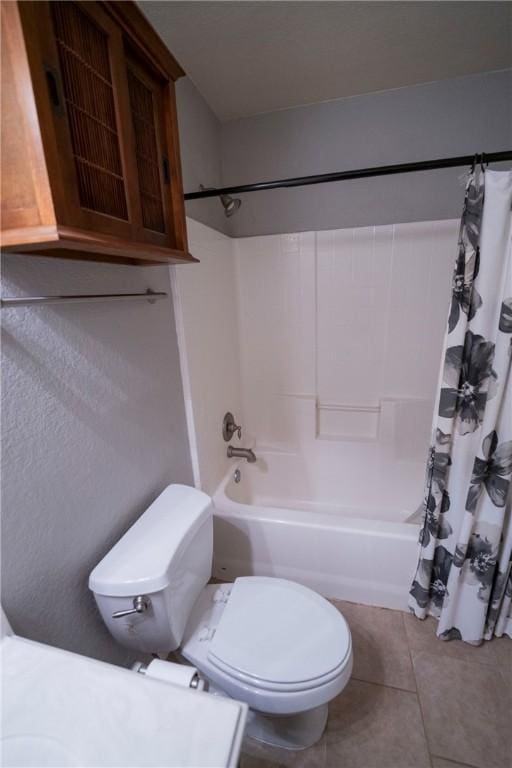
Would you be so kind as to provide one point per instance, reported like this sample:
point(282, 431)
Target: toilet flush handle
point(141, 603)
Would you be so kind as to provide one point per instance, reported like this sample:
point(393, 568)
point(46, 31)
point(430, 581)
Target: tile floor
point(413, 702)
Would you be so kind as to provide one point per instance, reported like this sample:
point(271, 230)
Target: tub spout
point(241, 453)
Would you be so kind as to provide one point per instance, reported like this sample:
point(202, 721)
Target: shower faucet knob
point(229, 427)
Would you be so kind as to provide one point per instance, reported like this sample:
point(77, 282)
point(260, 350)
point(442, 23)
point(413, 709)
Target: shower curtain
point(464, 575)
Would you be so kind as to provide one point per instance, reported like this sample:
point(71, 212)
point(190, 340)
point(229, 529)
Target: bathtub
point(273, 523)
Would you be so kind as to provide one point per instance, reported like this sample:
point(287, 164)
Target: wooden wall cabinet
point(90, 153)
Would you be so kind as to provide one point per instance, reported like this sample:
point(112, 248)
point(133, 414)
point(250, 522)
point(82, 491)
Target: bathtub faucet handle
point(229, 427)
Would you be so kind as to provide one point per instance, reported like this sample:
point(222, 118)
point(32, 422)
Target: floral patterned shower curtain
point(464, 574)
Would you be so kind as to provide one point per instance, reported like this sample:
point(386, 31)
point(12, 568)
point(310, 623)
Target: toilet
point(272, 643)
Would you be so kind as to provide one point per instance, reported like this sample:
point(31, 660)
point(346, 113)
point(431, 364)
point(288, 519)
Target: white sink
point(35, 751)
point(62, 709)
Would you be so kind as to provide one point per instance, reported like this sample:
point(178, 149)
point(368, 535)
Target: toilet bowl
point(271, 643)
point(276, 645)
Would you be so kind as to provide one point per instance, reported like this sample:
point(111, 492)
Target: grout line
point(440, 655)
point(413, 693)
point(456, 762)
point(420, 705)
point(493, 662)
point(431, 652)
point(409, 649)
point(384, 685)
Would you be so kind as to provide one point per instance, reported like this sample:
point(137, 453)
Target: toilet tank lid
point(140, 562)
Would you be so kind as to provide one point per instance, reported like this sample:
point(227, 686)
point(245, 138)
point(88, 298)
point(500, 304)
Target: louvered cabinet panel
point(87, 64)
point(153, 172)
point(83, 50)
point(90, 156)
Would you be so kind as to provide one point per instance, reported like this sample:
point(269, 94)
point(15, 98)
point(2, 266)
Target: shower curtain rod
point(361, 173)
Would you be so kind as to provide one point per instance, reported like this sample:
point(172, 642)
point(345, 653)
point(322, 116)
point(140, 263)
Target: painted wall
point(441, 119)
point(200, 145)
point(206, 304)
point(93, 428)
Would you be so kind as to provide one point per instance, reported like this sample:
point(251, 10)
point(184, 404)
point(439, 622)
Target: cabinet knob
point(165, 170)
point(54, 90)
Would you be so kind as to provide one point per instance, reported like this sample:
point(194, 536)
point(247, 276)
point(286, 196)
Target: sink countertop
point(63, 709)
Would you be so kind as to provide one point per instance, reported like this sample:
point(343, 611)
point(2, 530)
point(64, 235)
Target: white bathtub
point(274, 523)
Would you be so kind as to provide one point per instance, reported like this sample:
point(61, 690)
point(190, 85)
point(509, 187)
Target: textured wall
point(453, 117)
point(200, 136)
point(93, 427)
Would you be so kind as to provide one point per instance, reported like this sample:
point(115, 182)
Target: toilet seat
point(231, 640)
point(279, 687)
point(279, 635)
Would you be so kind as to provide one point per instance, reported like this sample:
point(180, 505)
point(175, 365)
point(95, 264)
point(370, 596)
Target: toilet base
point(288, 731)
point(293, 732)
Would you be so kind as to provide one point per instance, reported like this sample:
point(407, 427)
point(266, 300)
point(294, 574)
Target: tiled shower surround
point(352, 318)
point(326, 345)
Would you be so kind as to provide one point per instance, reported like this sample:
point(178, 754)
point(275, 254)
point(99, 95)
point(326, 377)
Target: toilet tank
point(166, 556)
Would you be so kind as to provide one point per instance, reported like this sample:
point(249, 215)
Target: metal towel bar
point(29, 301)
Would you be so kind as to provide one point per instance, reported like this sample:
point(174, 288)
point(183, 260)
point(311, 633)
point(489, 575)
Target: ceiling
point(249, 57)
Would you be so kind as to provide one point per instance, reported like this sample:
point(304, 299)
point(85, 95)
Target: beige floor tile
point(249, 761)
point(440, 762)
point(506, 671)
point(466, 709)
point(372, 726)
point(421, 635)
point(502, 647)
point(503, 652)
point(381, 651)
point(258, 755)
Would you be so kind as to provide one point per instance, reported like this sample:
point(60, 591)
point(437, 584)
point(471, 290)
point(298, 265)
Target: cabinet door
point(146, 96)
point(95, 157)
